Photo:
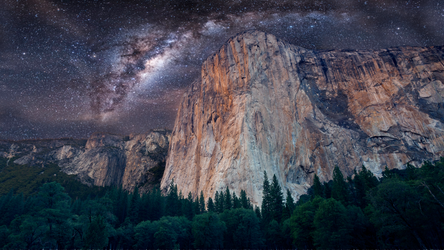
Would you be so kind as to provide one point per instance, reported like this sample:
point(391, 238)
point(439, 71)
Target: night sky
point(72, 68)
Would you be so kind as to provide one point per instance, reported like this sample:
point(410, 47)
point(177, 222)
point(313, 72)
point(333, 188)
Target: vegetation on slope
point(27, 180)
point(404, 209)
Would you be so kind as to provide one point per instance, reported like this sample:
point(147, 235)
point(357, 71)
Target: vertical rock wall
point(265, 105)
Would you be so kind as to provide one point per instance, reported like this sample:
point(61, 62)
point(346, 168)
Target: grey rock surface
point(101, 160)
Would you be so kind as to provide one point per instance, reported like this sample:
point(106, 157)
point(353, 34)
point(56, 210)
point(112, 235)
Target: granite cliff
point(262, 104)
point(101, 160)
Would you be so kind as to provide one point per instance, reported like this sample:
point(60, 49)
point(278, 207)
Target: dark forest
point(403, 209)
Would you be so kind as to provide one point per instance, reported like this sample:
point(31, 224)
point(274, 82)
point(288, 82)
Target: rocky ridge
point(101, 160)
point(262, 104)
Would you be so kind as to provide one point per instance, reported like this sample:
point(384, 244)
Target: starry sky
point(72, 68)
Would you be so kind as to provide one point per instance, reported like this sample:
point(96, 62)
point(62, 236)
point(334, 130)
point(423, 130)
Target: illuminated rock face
point(262, 104)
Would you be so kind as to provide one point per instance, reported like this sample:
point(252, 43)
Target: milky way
point(71, 68)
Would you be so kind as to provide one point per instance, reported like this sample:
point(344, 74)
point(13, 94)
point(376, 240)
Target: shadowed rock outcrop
point(102, 160)
point(262, 104)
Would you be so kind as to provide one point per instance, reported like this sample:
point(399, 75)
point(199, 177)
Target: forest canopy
point(402, 209)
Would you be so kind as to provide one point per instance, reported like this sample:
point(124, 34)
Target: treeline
point(403, 209)
point(27, 180)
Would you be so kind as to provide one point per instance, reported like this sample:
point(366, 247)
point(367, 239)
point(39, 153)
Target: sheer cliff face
point(102, 160)
point(265, 105)
point(111, 160)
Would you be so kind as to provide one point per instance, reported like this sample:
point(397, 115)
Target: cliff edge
point(262, 104)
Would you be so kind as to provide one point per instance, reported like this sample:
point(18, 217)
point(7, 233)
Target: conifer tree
point(228, 202)
point(201, 203)
point(187, 207)
point(196, 206)
point(276, 200)
point(327, 189)
point(363, 182)
point(339, 191)
point(220, 202)
point(370, 180)
point(144, 207)
point(217, 204)
point(289, 206)
point(411, 171)
point(245, 202)
point(172, 201)
point(236, 201)
point(211, 207)
point(317, 186)
point(266, 201)
point(157, 202)
point(134, 206)
point(257, 211)
point(54, 208)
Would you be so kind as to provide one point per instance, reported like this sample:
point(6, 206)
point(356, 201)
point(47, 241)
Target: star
point(71, 68)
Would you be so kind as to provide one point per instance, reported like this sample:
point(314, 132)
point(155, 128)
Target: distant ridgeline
point(101, 160)
point(403, 209)
point(27, 180)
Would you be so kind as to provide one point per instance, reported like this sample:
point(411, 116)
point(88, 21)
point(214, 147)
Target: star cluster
point(71, 68)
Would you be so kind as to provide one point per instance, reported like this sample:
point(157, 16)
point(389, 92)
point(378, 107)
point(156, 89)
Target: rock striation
point(102, 160)
point(262, 104)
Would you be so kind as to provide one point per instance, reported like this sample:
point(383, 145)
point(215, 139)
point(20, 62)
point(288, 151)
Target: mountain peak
point(266, 105)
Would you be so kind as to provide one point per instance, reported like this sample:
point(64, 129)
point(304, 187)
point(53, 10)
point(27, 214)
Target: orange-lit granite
point(262, 104)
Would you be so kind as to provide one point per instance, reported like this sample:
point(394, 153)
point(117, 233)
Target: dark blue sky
point(71, 68)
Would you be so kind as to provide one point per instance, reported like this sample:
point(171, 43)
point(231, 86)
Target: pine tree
point(220, 202)
point(157, 205)
point(133, 212)
point(327, 189)
point(236, 201)
point(228, 202)
point(363, 182)
point(201, 203)
point(211, 207)
point(196, 206)
point(122, 205)
point(317, 186)
point(54, 208)
point(257, 211)
point(339, 191)
point(370, 180)
point(245, 202)
point(217, 202)
point(172, 201)
point(187, 207)
point(144, 208)
point(411, 171)
point(266, 201)
point(289, 206)
point(276, 200)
